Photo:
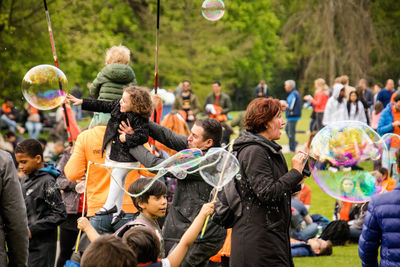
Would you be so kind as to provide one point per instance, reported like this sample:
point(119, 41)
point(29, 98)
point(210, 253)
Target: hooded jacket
point(110, 81)
point(335, 111)
point(261, 236)
point(43, 202)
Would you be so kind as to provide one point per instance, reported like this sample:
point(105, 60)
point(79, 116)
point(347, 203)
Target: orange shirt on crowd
point(305, 195)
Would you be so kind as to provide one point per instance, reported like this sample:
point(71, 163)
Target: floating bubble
point(392, 142)
point(218, 167)
point(345, 153)
point(44, 87)
point(213, 10)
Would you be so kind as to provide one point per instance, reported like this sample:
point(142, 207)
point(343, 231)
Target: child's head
point(43, 142)
point(10, 136)
point(108, 250)
point(144, 242)
point(378, 107)
point(320, 247)
point(353, 96)
point(137, 100)
point(29, 155)
point(59, 147)
point(118, 54)
point(153, 202)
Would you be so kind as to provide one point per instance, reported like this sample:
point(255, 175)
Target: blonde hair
point(321, 84)
point(118, 54)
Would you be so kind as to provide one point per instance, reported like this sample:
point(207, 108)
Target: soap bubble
point(345, 153)
point(44, 87)
point(218, 167)
point(213, 10)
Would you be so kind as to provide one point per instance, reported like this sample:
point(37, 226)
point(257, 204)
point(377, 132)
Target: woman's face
point(274, 127)
point(348, 186)
point(353, 97)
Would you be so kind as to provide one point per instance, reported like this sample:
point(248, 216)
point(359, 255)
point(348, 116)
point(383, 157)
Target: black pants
point(68, 235)
point(42, 252)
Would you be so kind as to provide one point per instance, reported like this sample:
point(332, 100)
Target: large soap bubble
point(213, 10)
point(218, 167)
point(346, 152)
point(44, 87)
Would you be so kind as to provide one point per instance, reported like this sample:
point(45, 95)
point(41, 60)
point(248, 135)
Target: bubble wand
point(53, 47)
point(219, 184)
point(83, 206)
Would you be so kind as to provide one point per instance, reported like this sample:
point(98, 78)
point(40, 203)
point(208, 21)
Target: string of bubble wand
point(83, 207)
point(216, 191)
point(53, 48)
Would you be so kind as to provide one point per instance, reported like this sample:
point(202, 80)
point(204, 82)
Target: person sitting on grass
point(107, 251)
point(313, 247)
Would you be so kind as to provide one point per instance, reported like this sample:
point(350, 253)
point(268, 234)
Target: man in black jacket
point(12, 215)
point(43, 201)
point(191, 192)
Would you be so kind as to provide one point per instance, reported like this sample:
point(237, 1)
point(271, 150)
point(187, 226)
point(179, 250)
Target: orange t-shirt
point(305, 195)
point(396, 130)
point(389, 184)
point(345, 211)
point(88, 148)
point(225, 251)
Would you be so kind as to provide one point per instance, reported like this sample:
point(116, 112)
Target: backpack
point(228, 206)
point(338, 232)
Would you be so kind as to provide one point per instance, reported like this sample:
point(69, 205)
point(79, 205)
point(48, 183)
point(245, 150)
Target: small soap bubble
point(213, 10)
point(44, 87)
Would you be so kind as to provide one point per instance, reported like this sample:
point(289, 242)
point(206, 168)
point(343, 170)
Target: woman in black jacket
point(261, 236)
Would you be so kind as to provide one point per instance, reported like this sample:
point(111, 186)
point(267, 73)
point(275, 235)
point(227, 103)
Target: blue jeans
point(304, 234)
point(33, 128)
point(291, 133)
point(102, 223)
point(11, 124)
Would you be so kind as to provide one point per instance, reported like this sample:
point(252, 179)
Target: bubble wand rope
point(216, 191)
point(83, 207)
point(53, 47)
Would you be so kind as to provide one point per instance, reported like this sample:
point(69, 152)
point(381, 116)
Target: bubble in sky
point(44, 87)
point(345, 153)
point(213, 10)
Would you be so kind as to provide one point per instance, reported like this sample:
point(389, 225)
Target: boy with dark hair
point(107, 251)
point(43, 201)
point(313, 247)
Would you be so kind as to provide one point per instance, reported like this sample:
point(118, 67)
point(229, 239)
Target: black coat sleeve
point(145, 157)
point(167, 137)
point(13, 213)
point(141, 134)
point(256, 165)
point(99, 105)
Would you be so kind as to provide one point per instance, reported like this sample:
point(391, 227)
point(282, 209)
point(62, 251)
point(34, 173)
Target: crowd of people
point(160, 226)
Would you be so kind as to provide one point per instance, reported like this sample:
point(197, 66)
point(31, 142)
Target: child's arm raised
point(84, 225)
point(176, 256)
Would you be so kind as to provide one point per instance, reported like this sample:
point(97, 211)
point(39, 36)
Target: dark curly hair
point(141, 100)
point(259, 112)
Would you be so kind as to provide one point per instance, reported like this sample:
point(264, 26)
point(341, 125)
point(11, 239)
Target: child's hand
point(207, 209)
point(122, 137)
point(75, 101)
point(83, 223)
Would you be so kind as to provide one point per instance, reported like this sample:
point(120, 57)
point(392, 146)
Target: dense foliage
point(264, 39)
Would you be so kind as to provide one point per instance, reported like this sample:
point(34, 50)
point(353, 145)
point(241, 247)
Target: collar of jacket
point(248, 138)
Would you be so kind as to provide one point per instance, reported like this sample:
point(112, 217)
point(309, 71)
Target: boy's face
point(28, 164)
point(155, 206)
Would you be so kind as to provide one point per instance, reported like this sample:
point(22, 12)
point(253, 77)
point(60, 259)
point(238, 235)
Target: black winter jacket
point(43, 202)
point(13, 222)
point(120, 151)
point(191, 192)
point(261, 236)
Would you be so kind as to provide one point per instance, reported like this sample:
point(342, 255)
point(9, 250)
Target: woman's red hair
point(259, 112)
